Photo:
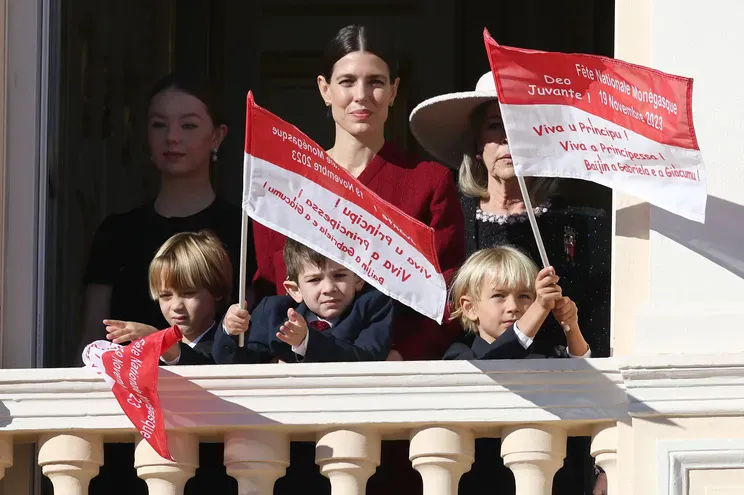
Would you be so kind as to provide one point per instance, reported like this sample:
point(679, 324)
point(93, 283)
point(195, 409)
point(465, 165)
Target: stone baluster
point(442, 455)
point(348, 458)
point(70, 461)
point(534, 453)
point(256, 459)
point(604, 451)
point(163, 476)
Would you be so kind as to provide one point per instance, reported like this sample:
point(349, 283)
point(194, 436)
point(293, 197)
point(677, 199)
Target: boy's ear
point(468, 308)
point(293, 290)
point(359, 283)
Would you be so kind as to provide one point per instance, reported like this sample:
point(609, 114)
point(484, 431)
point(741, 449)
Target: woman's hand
point(119, 331)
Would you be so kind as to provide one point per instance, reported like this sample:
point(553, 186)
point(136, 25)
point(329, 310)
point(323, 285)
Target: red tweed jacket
point(423, 190)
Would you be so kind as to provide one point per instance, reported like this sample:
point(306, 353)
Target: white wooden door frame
point(28, 27)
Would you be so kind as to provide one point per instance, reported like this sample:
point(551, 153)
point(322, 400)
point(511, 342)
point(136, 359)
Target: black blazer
point(473, 347)
point(362, 333)
point(201, 353)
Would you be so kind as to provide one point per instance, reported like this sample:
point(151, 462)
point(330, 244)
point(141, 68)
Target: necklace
point(485, 216)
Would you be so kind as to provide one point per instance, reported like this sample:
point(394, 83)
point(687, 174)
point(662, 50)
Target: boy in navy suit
point(190, 277)
point(328, 315)
point(502, 301)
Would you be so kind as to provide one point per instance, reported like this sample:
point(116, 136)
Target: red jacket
point(423, 190)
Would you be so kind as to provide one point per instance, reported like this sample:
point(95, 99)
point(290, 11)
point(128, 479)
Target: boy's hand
point(547, 289)
point(294, 330)
point(126, 331)
point(566, 313)
point(236, 320)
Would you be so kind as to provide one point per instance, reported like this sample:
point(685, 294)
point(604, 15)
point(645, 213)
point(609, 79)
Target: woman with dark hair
point(185, 131)
point(359, 84)
point(465, 131)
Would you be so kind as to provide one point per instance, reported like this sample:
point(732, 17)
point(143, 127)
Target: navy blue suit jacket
point(472, 347)
point(362, 333)
point(201, 353)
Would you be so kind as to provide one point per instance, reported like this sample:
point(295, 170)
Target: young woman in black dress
point(185, 131)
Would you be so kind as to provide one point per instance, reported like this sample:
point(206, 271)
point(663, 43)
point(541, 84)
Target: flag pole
point(536, 231)
point(243, 268)
point(533, 221)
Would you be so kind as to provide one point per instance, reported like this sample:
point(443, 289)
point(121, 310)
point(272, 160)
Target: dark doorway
point(110, 52)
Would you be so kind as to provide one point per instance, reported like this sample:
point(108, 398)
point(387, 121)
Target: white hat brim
point(442, 124)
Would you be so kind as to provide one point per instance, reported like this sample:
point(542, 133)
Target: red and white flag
point(293, 187)
point(588, 117)
point(132, 372)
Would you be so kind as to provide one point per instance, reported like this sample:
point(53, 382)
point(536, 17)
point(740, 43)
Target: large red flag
point(132, 371)
point(622, 125)
point(292, 186)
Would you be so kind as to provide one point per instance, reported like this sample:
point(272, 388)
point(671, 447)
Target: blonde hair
point(505, 266)
point(192, 260)
point(473, 175)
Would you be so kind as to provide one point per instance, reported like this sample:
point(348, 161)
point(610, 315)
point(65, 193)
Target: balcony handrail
point(310, 397)
point(396, 395)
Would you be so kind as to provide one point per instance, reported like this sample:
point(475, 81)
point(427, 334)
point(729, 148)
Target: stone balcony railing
point(348, 409)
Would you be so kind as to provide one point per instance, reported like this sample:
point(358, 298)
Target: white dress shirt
point(527, 341)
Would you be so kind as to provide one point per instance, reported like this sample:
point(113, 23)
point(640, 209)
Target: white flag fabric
point(588, 117)
point(291, 186)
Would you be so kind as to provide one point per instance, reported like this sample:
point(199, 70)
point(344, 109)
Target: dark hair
point(296, 255)
point(195, 86)
point(358, 38)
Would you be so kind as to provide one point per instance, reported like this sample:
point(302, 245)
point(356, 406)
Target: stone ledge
point(311, 397)
point(392, 396)
point(684, 385)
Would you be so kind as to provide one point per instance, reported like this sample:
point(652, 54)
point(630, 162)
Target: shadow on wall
point(720, 239)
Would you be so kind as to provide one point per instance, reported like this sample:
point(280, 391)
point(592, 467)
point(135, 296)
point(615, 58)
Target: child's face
point(497, 308)
point(327, 292)
point(192, 310)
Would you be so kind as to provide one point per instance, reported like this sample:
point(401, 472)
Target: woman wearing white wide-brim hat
point(465, 131)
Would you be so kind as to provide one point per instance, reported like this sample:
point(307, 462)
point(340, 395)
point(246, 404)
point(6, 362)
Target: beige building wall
point(630, 248)
point(706, 451)
point(677, 284)
point(696, 271)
